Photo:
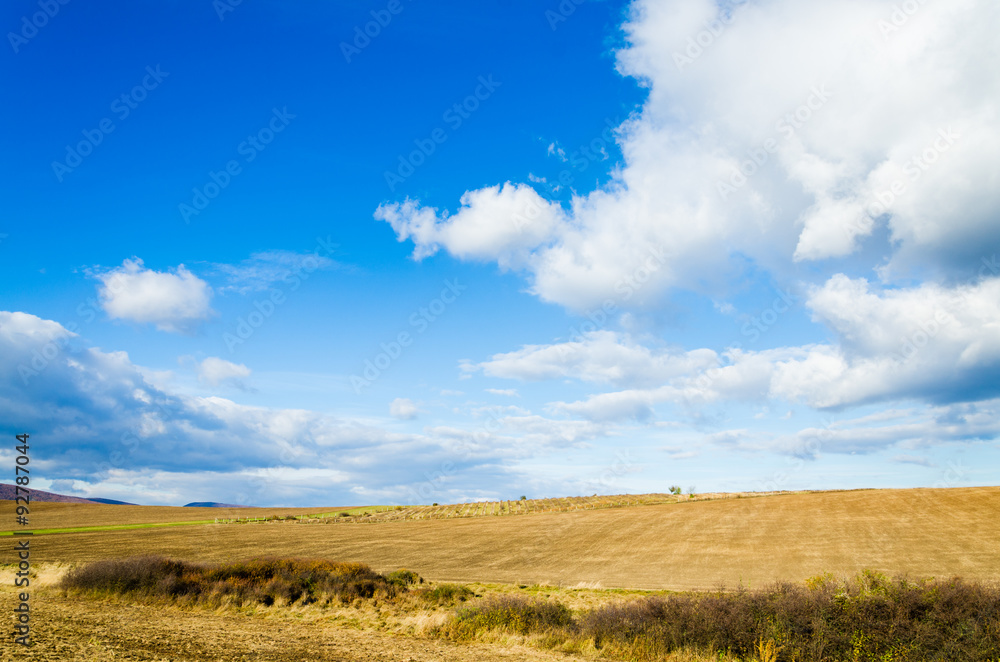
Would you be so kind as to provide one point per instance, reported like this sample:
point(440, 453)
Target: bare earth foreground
point(680, 546)
point(78, 629)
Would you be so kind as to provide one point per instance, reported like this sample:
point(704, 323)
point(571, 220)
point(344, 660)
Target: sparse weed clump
point(261, 581)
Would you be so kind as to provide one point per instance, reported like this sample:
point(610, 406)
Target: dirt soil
point(72, 628)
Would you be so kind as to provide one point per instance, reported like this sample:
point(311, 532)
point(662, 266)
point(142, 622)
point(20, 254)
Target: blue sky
point(403, 252)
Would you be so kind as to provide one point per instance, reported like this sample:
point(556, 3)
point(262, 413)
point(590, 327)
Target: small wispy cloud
point(509, 392)
point(264, 269)
point(403, 408)
point(913, 459)
point(214, 371)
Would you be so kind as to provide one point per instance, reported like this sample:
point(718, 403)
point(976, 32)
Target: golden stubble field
point(696, 545)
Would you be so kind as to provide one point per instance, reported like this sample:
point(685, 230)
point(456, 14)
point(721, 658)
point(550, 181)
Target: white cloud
point(921, 427)
point(926, 342)
point(852, 114)
point(267, 268)
point(913, 459)
point(508, 392)
point(111, 428)
point(21, 329)
point(930, 342)
point(214, 371)
point(403, 409)
point(172, 301)
point(499, 222)
point(598, 356)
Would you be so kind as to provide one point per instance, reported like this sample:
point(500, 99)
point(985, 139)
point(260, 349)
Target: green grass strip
point(109, 527)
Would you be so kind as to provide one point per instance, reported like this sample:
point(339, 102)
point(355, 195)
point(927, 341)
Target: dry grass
point(698, 545)
point(51, 515)
point(375, 514)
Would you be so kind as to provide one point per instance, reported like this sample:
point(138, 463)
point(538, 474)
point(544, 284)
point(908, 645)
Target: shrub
point(148, 575)
point(404, 577)
point(870, 617)
point(446, 594)
point(264, 581)
point(510, 613)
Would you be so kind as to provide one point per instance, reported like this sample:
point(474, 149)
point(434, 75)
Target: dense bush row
point(264, 581)
point(870, 617)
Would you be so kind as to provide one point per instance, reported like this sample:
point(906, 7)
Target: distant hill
point(212, 504)
point(8, 492)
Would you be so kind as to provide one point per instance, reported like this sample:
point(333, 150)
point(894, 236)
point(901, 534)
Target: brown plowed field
point(687, 545)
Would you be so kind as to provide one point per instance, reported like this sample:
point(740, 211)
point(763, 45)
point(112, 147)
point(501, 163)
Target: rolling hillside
point(8, 492)
point(686, 545)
